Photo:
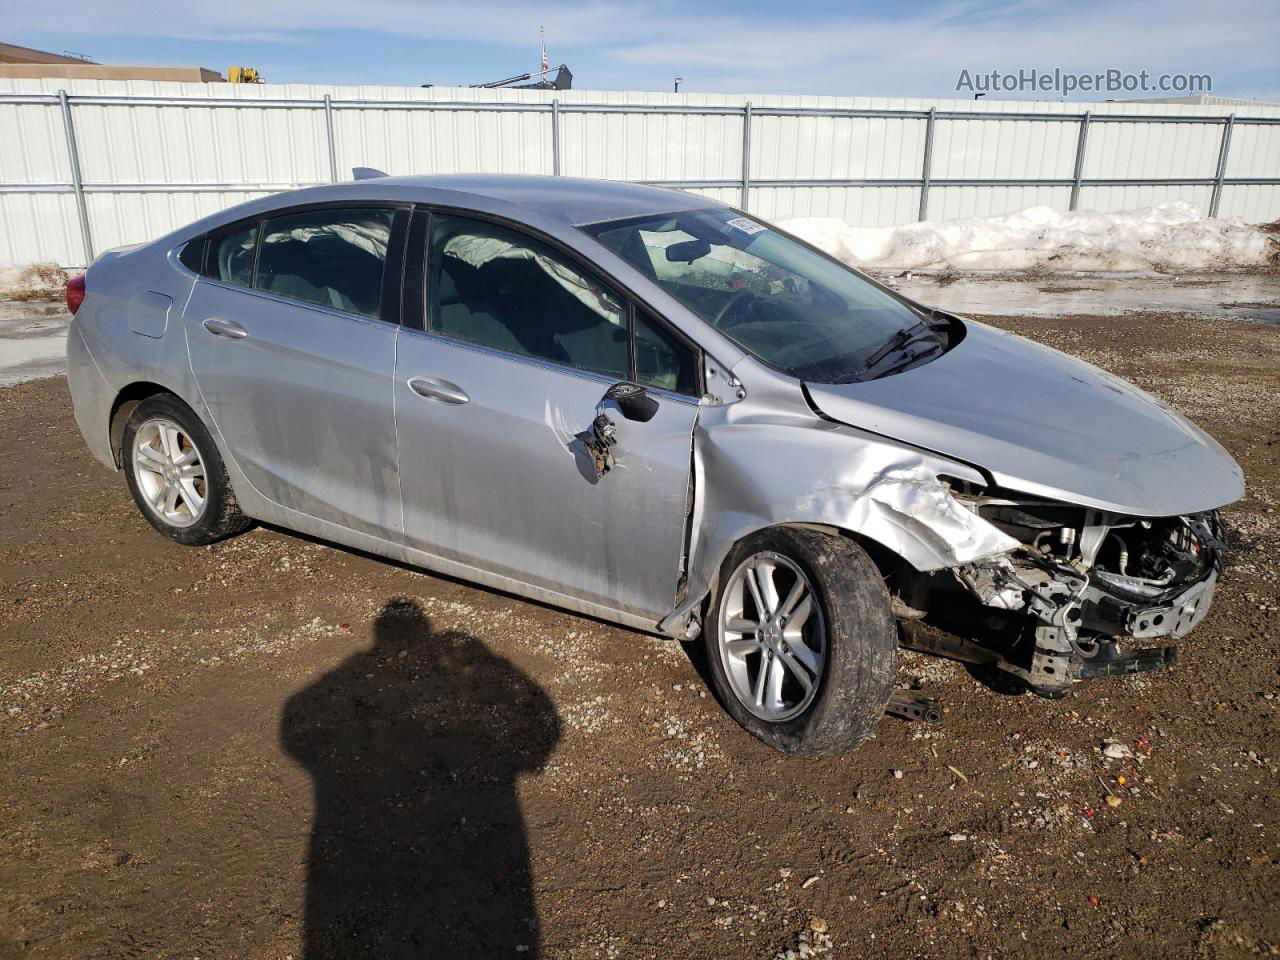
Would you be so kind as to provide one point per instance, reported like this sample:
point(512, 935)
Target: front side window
point(786, 304)
point(333, 257)
point(663, 360)
point(498, 288)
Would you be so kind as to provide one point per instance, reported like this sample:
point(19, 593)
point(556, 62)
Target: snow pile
point(40, 281)
point(1169, 236)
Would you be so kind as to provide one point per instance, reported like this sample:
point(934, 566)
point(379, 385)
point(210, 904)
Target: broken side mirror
point(633, 401)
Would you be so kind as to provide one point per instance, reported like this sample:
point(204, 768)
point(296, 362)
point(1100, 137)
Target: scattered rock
point(1115, 750)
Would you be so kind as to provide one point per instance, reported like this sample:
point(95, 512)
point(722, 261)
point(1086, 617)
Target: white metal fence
point(104, 163)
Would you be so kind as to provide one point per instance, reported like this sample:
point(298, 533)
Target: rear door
point(292, 335)
point(494, 401)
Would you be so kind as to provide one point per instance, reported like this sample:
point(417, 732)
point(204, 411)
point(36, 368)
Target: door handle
point(225, 328)
point(433, 388)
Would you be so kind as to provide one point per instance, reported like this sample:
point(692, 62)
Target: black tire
point(860, 643)
point(220, 516)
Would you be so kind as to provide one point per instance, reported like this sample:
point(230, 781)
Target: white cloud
point(761, 49)
point(877, 54)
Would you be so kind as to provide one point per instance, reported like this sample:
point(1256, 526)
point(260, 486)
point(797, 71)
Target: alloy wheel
point(169, 472)
point(772, 639)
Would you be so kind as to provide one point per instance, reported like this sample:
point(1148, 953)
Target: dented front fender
point(761, 462)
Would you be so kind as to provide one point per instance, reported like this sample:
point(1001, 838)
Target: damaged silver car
point(655, 409)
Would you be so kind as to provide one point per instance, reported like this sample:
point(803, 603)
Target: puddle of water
point(33, 341)
point(25, 309)
point(1100, 295)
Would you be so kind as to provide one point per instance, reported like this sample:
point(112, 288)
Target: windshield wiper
point(901, 340)
point(903, 362)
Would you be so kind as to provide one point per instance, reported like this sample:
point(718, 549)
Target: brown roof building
point(30, 64)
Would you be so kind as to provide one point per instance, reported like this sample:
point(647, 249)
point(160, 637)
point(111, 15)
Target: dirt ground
point(274, 748)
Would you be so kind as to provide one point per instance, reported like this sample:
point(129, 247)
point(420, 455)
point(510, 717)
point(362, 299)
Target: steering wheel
point(734, 301)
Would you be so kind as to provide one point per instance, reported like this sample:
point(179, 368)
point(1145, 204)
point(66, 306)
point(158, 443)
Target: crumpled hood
point(1045, 424)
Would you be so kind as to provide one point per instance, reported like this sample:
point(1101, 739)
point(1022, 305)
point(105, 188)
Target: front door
point(495, 402)
point(294, 360)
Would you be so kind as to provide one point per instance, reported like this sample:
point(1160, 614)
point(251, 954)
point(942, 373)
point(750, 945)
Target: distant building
point(28, 64)
point(1204, 100)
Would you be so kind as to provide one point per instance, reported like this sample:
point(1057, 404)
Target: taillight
point(75, 292)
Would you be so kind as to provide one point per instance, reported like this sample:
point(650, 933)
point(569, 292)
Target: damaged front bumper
point(1058, 608)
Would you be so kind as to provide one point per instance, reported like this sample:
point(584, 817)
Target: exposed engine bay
point(1054, 610)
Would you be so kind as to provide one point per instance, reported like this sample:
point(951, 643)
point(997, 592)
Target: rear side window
point(498, 288)
point(230, 256)
point(191, 255)
point(333, 257)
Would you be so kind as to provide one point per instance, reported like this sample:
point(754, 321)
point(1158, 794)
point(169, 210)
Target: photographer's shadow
point(418, 847)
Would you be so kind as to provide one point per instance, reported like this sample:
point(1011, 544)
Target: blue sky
point(911, 48)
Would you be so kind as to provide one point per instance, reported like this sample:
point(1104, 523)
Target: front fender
point(757, 467)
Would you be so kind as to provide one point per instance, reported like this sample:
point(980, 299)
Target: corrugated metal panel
point(1113, 199)
point(123, 218)
point(408, 142)
point(724, 195)
point(39, 228)
point(1255, 152)
point(664, 147)
point(33, 148)
point(862, 206)
point(835, 148)
point(166, 144)
point(1004, 150)
point(1152, 151)
point(949, 203)
point(255, 149)
point(1254, 204)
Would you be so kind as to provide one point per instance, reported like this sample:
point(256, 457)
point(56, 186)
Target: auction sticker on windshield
point(746, 225)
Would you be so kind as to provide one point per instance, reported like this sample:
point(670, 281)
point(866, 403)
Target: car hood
point(1045, 424)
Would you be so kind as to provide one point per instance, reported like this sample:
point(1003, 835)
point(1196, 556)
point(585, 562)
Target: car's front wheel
point(176, 476)
point(801, 643)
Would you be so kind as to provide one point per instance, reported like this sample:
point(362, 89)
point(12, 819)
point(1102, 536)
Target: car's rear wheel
point(176, 476)
point(801, 643)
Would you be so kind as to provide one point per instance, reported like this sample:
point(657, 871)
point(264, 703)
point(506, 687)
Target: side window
point(230, 255)
point(499, 288)
point(191, 255)
point(333, 257)
point(662, 360)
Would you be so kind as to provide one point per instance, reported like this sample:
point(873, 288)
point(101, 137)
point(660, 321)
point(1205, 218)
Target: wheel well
point(125, 402)
point(889, 563)
point(896, 571)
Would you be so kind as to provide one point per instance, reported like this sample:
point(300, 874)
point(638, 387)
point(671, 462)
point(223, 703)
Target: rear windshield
point(793, 308)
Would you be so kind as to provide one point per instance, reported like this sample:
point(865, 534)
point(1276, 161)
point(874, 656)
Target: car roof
point(575, 200)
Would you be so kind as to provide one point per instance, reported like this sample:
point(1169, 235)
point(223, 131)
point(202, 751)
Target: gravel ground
point(274, 748)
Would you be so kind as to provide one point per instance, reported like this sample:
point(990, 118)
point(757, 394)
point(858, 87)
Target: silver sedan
point(652, 408)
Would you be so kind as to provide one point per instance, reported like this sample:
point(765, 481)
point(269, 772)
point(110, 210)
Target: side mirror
point(633, 400)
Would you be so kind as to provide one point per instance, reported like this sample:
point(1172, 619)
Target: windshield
point(784, 303)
